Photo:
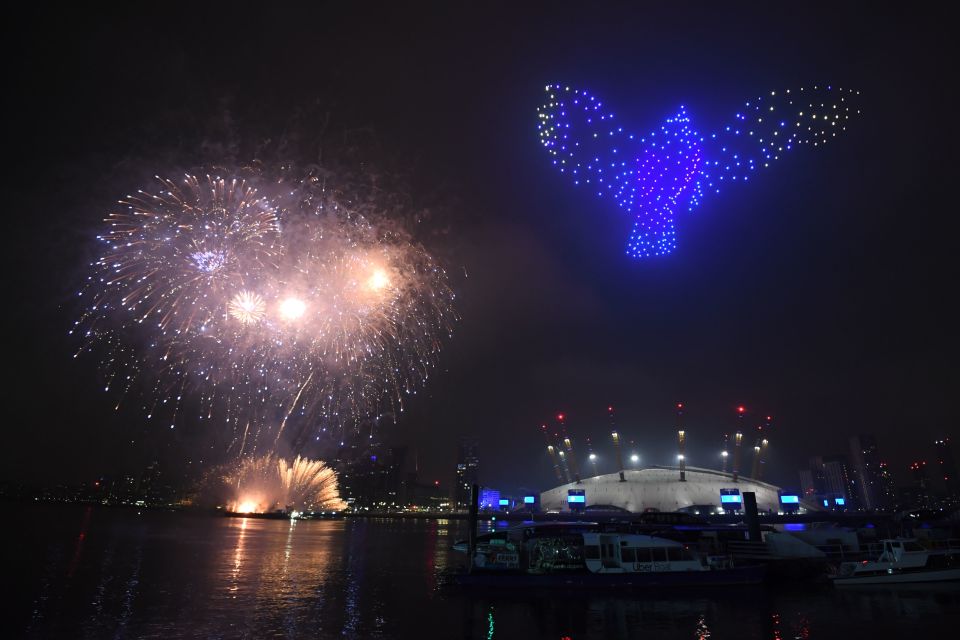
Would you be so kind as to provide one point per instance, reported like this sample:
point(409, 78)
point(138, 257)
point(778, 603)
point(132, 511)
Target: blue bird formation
point(652, 176)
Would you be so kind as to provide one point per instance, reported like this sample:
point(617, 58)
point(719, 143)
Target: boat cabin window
point(628, 554)
point(659, 554)
point(913, 546)
point(673, 554)
point(591, 552)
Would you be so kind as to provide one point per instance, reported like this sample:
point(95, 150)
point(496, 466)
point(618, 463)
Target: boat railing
point(839, 552)
point(947, 544)
point(749, 550)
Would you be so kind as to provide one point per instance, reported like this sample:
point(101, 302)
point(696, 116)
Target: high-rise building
point(920, 487)
point(807, 485)
point(947, 468)
point(828, 478)
point(865, 469)
point(369, 474)
point(468, 471)
point(888, 489)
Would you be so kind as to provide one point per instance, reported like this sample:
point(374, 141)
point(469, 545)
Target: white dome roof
point(660, 488)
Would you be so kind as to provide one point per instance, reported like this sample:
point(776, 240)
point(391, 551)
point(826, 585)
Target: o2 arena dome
point(660, 489)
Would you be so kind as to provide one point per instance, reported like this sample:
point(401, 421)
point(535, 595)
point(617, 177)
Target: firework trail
point(280, 311)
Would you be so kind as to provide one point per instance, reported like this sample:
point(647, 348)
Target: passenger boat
point(579, 555)
point(902, 561)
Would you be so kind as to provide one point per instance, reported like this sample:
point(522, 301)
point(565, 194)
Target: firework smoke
point(286, 310)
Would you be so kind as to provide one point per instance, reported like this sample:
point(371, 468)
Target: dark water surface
point(88, 572)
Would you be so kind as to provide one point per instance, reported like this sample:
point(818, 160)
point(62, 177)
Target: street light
point(593, 463)
point(634, 458)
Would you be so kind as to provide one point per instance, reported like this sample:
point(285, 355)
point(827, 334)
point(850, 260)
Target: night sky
point(821, 295)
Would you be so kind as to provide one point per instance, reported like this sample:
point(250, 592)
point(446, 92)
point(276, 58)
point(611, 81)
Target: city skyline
point(379, 476)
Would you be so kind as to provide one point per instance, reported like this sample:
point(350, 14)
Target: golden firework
point(247, 307)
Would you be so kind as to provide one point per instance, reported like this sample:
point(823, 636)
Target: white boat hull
point(937, 575)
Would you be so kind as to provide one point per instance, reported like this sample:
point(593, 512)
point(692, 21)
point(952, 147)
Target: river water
point(89, 572)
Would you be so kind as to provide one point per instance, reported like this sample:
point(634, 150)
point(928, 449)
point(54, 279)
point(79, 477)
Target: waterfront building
point(467, 472)
point(865, 469)
point(919, 493)
point(829, 480)
point(947, 469)
point(369, 474)
point(838, 482)
point(658, 488)
point(807, 484)
point(887, 486)
point(489, 499)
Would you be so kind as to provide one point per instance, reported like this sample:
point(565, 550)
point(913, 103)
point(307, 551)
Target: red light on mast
point(741, 409)
point(560, 417)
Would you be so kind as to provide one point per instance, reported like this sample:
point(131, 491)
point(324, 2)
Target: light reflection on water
point(94, 573)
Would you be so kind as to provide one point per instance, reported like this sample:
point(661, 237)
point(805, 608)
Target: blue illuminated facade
point(489, 499)
point(789, 503)
point(576, 499)
point(652, 176)
point(731, 500)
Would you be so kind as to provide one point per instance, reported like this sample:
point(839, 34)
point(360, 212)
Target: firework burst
point(286, 315)
point(247, 307)
point(267, 483)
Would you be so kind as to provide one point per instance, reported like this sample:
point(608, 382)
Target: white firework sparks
point(287, 315)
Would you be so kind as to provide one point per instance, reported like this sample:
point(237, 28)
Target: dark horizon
point(820, 296)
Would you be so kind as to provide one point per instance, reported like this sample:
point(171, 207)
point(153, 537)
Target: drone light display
point(652, 176)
